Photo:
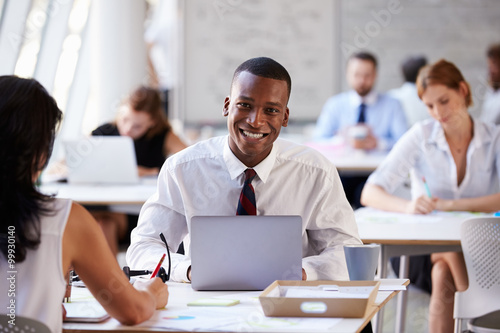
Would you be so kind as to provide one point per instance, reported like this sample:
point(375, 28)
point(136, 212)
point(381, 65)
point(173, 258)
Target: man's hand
point(370, 142)
point(304, 275)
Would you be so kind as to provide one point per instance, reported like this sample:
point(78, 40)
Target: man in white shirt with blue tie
point(362, 117)
point(381, 114)
point(290, 179)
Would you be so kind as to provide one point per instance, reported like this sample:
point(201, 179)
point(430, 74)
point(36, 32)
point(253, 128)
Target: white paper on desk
point(191, 319)
point(343, 292)
point(251, 297)
point(369, 215)
point(391, 287)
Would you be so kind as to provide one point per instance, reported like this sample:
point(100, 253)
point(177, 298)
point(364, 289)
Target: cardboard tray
point(276, 305)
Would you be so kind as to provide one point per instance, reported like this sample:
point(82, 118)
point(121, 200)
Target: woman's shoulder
point(106, 129)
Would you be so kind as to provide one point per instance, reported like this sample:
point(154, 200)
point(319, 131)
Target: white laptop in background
point(244, 252)
point(101, 160)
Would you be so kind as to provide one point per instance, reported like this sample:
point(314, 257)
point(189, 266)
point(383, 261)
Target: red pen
point(158, 266)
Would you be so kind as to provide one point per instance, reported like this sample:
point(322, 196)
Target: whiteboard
point(219, 35)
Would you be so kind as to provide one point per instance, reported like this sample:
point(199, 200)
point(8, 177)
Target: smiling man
point(289, 179)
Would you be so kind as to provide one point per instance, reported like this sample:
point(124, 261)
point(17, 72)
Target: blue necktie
point(246, 204)
point(361, 117)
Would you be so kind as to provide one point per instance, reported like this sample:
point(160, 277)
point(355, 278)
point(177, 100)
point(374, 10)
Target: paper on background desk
point(370, 215)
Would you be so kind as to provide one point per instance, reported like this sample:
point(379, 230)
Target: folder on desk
point(85, 312)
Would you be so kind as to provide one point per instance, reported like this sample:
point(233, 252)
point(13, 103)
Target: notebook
point(85, 312)
point(244, 252)
point(101, 160)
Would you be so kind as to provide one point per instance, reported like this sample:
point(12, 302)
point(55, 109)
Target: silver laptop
point(101, 160)
point(244, 252)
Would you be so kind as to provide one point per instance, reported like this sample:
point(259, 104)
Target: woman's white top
point(424, 152)
point(35, 287)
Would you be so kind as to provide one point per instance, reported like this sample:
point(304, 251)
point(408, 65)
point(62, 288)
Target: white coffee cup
point(362, 261)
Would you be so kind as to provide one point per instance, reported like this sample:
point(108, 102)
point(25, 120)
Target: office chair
point(480, 303)
point(23, 324)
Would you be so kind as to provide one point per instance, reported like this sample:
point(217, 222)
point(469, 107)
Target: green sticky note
point(213, 302)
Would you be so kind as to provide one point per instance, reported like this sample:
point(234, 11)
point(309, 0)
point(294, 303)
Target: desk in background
point(404, 235)
point(246, 316)
point(120, 198)
point(350, 161)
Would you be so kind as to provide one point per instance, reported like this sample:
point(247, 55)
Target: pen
point(427, 188)
point(158, 266)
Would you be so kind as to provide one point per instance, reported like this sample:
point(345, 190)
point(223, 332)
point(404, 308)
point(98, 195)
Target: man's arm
point(157, 215)
point(327, 124)
point(329, 228)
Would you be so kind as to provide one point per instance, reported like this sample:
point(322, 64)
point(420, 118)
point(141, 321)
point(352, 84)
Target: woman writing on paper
point(42, 237)
point(140, 117)
point(453, 158)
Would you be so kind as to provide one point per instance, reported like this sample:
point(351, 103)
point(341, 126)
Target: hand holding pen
point(424, 204)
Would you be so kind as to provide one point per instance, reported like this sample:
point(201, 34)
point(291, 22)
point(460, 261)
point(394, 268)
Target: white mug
point(362, 261)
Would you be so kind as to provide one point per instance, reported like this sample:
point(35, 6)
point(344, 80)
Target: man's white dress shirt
point(491, 106)
point(207, 178)
point(424, 151)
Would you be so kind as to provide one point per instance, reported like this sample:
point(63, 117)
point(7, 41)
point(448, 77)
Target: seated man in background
point(491, 101)
point(382, 115)
point(366, 118)
point(288, 179)
point(407, 95)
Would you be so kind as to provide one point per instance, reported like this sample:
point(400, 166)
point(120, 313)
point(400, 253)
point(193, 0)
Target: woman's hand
point(156, 288)
point(421, 205)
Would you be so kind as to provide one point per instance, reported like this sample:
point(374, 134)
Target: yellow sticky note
point(213, 302)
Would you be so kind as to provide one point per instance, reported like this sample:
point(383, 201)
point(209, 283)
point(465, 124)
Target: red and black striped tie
point(246, 204)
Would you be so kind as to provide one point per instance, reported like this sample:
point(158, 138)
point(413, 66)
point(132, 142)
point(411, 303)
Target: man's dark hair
point(364, 56)
point(494, 52)
point(411, 66)
point(265, 67)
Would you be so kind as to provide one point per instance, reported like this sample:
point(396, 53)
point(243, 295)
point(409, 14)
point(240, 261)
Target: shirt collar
point(369, 99)
point(236, 167)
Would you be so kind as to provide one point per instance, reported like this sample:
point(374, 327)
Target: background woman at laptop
point(140, 117)
point(41, 237)
point(454, 163)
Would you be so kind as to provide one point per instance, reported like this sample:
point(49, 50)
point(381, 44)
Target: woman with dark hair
point(458, 158)
point(43, 237)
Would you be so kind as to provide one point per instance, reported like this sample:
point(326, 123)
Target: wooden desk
point(246, 316)
point(348, 160)
point(404, 235)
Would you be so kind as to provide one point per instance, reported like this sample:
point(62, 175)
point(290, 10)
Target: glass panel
point(2, 5)
point(70, 51)
point(31, 38)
